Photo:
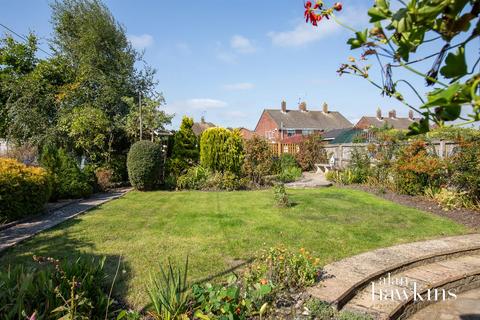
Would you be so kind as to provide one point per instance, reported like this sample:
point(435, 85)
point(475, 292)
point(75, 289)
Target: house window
point(290, 132)
point(307, 132)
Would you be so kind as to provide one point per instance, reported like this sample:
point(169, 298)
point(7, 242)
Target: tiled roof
point(199, 127)
point(318, 120)
point(395, 123)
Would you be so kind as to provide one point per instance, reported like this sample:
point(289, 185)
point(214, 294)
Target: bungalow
point(283, 125)
point(199, 127)
point(392, 121)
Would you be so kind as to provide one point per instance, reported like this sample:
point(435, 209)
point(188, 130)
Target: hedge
point(221, 150)
point(23, 190)
point(145, 165)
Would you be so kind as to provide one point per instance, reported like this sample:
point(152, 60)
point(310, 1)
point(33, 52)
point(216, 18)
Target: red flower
point(308, 11)
point(337, 6)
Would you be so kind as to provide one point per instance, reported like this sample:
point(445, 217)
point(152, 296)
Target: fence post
point(442, 149)
point(340, 156)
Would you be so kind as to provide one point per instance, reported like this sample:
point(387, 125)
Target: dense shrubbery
point(413, 167)
point(221, 150)
point(68, 180)
point(23, 190)
point(54, 289)
point(287, 168)
point(145, 165)
point(310, 152)
point(199, 178)
point(258, 161)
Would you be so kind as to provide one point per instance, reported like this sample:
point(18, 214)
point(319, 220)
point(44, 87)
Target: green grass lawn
point(218, 229)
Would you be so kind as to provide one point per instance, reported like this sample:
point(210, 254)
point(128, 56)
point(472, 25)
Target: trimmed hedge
point(23, 190)
point(221, 150)
point(145, 165)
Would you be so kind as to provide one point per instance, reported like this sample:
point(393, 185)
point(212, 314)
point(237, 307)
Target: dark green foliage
point(287, 168)
point(194, 179)
point(68, 180)
point(185, 151)
point(359, 165)
point(464, 168)
point(23, 190)
point(221, 150)
point(145, 165)
point(258, 161)
point(45, 288)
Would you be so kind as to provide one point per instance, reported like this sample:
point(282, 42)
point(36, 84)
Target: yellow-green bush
point(23, 190)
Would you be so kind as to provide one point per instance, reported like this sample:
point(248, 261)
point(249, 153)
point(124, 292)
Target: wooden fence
point(280, 148)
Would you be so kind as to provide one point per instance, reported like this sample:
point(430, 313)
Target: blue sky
point(228, 60)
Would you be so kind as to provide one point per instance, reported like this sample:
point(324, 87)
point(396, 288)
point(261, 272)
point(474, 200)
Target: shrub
point(450, 199)
point(68, 180)
point(345, 177)
point(464, 168)
point(168, 293)
point(195, 179)
point(284, 269)
point(185, 150)
point(415, 169)
point(144, 163)
point(310, 152)
point(281, 196)
point(258, 160)
point(104, 178)
point(359, 165)
point(221, 150)
point(54, 289)
point(23, 190)
point(290, 174)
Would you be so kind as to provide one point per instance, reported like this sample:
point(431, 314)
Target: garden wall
point(342, 152)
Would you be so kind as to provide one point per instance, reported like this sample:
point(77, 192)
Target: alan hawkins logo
point(402, 289)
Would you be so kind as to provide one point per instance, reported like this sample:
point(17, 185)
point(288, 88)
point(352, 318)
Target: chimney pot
point(325, 107)
point(379, 114)
point(302, 106)
point(392, 114)
point(284, 106)
point(410, 114)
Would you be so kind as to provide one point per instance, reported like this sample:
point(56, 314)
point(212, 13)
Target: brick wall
point(265, 126)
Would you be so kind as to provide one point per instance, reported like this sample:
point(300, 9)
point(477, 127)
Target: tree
point(185, 151)
point(413, 27)
point(221, 150)
point(89, 128)
point(153, 119)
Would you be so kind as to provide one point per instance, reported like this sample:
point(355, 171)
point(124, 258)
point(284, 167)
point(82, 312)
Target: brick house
point(288, 126)
point(392, 121)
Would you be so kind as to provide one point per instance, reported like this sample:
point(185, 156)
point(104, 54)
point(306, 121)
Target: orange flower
point(263, 281)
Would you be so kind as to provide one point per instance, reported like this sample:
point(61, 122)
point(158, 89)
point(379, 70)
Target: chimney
point(325, 107)
point(410, 115)
point(202, 119)
point(284, 106)
point(302, 106)
point(379, 114)
point(392, 114)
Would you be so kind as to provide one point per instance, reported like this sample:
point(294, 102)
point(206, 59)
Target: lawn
point(218, 230)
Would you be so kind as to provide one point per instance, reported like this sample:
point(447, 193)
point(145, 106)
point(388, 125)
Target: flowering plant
point(398, 33)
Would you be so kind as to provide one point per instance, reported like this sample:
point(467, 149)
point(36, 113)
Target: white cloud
point(242, 45)
point(196, 104)
point(304, 33)
point(239, 86)
point(226, 57)
point(140, 42)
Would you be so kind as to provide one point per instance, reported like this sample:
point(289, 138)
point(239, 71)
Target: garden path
point(393, 283)
point(11, 236)
point(310, 180)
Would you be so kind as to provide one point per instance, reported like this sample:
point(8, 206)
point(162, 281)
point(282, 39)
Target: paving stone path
point(401, 277)
point(310, 180)
point(25, 230)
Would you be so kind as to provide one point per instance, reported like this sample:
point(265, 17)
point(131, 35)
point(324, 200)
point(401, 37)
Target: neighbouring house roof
point(246, 133)
point(341, 135)
point(199, 127)
point(395, 123)
point(317, 120)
